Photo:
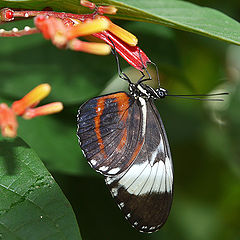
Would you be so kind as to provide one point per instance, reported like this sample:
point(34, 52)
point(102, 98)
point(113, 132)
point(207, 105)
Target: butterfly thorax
point(142, 90)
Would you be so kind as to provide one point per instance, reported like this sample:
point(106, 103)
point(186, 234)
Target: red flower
point(63, 29)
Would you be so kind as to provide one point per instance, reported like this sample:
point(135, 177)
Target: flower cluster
point(63, 29)
point(26, 108)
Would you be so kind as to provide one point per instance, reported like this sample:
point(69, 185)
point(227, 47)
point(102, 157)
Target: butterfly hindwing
point(144, 191)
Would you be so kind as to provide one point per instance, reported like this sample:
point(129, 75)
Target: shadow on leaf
point(8, 155)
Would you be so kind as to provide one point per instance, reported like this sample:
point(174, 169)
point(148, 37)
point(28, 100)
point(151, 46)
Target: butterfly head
point(161, 92)
point(143, 90)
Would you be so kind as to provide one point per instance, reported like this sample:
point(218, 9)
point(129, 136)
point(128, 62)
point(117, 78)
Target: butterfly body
point(123, 138)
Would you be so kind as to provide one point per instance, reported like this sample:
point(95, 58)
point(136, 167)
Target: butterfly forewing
point(105, 132)
point(144, 190)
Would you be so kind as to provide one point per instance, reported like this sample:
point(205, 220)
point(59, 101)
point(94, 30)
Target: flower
point(26, 108)
point(64, 36)
point(8, 121)
point(63, 29)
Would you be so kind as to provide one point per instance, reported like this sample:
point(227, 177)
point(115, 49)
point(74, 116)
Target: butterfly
point(123, 138)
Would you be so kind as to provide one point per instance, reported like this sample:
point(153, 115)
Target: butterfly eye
point(161, 92)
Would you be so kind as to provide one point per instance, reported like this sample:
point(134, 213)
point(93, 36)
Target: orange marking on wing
point(123, 105)
point(122, 100)
point(99, 112)
point(135, 153)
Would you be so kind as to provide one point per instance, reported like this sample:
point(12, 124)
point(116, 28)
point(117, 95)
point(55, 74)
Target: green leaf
point(172, 13)
point(32, 206)
point(181, 15)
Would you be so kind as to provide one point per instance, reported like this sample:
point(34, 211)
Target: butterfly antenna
point(200, 97)
point(121, 74)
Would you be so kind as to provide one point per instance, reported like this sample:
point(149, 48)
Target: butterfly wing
point(144, 191)
point(106, 134)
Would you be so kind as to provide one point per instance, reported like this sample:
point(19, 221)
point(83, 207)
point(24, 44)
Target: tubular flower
point(8, 121)
point(63, 29)
point(26, 108)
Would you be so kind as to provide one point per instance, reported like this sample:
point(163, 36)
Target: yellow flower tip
point(47, 109)
point(34, 96)
point(99, 48)
point(107, 10)
point(89, 27)
point(87, 4)
point(89, 47)
point(123, 34)
point(8, 122)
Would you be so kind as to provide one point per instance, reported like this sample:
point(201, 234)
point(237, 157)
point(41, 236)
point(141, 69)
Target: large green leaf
point(32, 206)
point(172, 13)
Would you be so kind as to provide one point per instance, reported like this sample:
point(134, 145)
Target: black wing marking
point(144, 191)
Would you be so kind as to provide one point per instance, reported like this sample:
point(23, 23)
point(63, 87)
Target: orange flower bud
point(88, 4)
point(34, 96)
point(43, 110)
point(123, 34)
point(107, 10)
point(89, 47)
point(6, 15)
point(89, 27)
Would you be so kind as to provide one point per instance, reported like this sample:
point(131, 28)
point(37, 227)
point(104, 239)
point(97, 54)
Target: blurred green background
point(204, 137)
